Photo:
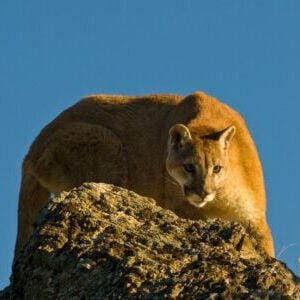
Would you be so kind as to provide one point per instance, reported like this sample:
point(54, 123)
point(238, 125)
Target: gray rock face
point(99, 241)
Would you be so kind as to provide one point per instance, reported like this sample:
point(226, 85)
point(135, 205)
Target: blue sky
point(246, 53)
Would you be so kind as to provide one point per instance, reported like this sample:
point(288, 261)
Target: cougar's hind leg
point(74, 154)
point(32, 198)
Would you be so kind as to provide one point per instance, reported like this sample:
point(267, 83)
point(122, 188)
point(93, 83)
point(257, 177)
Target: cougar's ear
point(226, 137)
point(179, 135)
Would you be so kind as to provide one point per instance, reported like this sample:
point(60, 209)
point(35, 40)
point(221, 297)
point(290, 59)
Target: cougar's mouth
point(196, 200)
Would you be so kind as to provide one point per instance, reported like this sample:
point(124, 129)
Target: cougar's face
point(198, 165)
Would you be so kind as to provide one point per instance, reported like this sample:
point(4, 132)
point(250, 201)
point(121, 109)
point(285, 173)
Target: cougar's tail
point(32, 197)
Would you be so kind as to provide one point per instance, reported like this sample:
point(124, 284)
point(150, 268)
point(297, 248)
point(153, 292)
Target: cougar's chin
point(199, 202)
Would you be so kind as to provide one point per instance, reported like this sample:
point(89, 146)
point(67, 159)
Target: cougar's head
point(198, 164)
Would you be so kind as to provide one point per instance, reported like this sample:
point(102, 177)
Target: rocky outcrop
point(99, 241)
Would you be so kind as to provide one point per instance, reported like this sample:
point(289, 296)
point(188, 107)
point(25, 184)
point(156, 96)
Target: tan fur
point(144, 144)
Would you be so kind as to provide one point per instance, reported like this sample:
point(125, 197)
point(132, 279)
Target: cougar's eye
point(190, 168)
point(217, 169)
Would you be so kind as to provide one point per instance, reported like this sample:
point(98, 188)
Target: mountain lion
point(193, 155)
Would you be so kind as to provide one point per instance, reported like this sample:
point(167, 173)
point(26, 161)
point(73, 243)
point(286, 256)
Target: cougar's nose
point(205, 193)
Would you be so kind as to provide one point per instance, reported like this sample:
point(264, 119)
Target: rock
point(100, 241)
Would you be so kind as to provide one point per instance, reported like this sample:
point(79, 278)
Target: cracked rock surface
point(100, 241)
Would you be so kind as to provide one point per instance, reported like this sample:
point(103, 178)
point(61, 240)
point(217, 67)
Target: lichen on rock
point(100, 241)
